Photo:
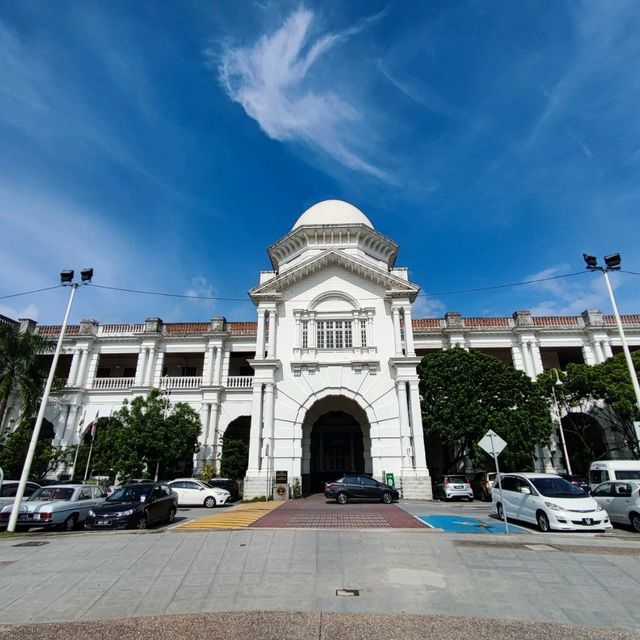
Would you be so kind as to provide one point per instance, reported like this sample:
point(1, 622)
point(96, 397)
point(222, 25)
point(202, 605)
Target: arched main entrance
point(336, 442)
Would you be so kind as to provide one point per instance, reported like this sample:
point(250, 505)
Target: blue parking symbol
point(463, 524)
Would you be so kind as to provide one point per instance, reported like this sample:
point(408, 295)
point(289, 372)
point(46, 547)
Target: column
point(82, 368)
point(268, 430)
point(271, 348)
point(536, 358)
point(256, 425)
point(528, 365)
point(206, 425)
point(416, 424)
point(606, 347)
point(588, 354)
point(313, 331)
point(157, 374)
point(73, 371)
point(260, 336)
point(209, 364)
point(69, 428)
point(408, 333)
point(140, 368)
point(356, 338)
point(148, 377)
point(395, 311)
point(213, 431)
point(597, 347)
point(517, 358)
point(217, 379)
point(405, 438)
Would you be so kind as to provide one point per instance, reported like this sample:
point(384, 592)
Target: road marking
point(238, 518)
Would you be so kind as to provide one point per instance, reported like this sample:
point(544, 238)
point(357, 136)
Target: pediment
point(393, 285)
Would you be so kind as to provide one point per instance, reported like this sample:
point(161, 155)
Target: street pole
point(625, 346)
point(495, 458)
point(560, 428)
point(36, 429)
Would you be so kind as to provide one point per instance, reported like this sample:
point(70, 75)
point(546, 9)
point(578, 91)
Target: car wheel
point(387, 498)
point(70, 523)
point(500, 511)
point(342, 498)
point(172, 515)
point(471, 499)
point(634, 518)
point(209, 502)
point(142, 522)
point(543, 521)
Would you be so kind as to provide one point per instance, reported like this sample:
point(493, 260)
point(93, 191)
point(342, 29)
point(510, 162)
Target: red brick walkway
point(316, 512)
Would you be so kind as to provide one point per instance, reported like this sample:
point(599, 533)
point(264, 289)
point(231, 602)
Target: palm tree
point(21, 369)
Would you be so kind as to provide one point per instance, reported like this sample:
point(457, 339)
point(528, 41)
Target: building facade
point(324, 381)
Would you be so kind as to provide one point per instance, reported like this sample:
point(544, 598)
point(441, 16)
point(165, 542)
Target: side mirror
point(526, 491)
point(201, 488)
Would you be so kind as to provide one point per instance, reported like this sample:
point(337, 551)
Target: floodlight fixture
point(592, 261)
point(86, 275)
point(613, 261)
point(66, 277)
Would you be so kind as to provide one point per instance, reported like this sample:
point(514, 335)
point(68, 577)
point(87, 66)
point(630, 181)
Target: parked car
point(549, 501)
point(194, 492)
point(482, 484)
point(452, 486)
point(228, 484)
point(9, 489)
point(135, 506)
point(63, 506)
point(578, 481)
point(621, 500)
point(359, 488)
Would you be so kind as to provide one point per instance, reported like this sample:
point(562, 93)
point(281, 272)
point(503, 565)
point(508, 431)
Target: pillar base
point(416, 486)
point(255, 486)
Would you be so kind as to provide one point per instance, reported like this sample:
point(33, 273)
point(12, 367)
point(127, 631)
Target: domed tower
point(335, 385)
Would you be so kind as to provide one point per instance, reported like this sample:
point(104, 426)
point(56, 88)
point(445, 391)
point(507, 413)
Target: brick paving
point(315, 512)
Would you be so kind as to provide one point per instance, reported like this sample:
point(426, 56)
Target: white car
point(194, 492)
point(549, 501)
point(621, 501)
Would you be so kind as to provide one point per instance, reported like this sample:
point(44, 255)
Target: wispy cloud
point(273, 82)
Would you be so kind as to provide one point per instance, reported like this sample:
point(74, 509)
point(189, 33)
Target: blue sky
point(167, 144)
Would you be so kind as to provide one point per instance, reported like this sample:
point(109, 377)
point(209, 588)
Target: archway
point(585, 439)
point(234, 458)
point(335, 442)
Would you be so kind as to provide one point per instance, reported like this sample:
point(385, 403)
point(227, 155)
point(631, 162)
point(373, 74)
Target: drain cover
point(32, 543)
point(347, 592)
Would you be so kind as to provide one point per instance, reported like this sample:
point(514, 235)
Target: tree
point(606, 386)
point(235, 459)
point(464, 393)
point(21, 368)
point(14, 447)
point(146, 435)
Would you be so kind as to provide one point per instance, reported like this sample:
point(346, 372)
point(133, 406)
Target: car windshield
point(131, 493)
point(456, 479)
point(52, 493)
point(557, 488)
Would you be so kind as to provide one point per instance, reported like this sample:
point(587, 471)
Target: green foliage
point(607, 385)
point(464, 393)
point(235, 459)
point(21, 368)
point(208, 471)
point(144, 434)
point(14, 447)
point(256, 499)
point(296, 488)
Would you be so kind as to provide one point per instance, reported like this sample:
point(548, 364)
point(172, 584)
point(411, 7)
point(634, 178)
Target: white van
point(549, 501)
point(606, 470)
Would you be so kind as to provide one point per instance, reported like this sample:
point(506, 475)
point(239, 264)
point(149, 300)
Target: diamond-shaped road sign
point(492, 443)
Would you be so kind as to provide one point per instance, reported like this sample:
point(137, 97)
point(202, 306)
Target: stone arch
point(586, 439)
point(333, 295)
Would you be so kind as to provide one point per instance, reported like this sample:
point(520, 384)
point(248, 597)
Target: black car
point(578, 481)
point(226, 483)
point(134, 506)
point(359, 488)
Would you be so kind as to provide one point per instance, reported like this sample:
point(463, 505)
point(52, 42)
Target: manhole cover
point(32, 543)
point(347, 592)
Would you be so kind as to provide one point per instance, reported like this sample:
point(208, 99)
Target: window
point(509, 483)
point(305, 334)
point(368, 482)
point(363, 332)
point(597, 476)
point(623, 490)
point(334, 334)
point(85, 493)
point(603, 490)
point(628, 475)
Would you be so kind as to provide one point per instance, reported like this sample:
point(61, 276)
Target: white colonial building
point(325, 381)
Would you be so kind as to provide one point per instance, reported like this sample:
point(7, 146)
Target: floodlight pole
point(556, 407)
point(36, 429)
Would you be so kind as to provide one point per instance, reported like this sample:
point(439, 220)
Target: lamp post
point(558, 383)
point(66, 279)
point(612, 263)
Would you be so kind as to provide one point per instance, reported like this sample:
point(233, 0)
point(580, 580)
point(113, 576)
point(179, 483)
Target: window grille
point(334, 334)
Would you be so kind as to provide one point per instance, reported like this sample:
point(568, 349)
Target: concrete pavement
point(556, 578)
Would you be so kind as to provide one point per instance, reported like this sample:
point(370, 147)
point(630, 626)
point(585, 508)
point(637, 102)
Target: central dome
point(332, 212)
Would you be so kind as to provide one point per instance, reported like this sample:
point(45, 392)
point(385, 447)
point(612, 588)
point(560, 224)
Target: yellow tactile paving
point(237, 518)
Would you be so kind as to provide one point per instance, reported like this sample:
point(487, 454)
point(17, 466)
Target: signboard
point(281, 477)
point(390, 480)
point(492, 443)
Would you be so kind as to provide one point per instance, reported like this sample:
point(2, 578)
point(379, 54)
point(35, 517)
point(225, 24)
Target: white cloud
point(428, 307)
point(272, 81)
point(200, 287)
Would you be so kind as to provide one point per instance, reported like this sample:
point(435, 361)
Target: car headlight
point(553, 507)
point(599, 507)
point(121, 514)
point(91, 512)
